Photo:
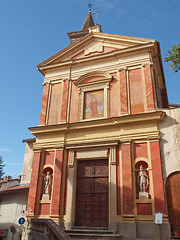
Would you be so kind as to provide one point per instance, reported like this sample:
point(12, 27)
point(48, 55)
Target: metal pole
point(160, 231)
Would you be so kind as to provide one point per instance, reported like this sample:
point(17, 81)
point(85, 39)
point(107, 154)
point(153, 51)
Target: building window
point(93, 95)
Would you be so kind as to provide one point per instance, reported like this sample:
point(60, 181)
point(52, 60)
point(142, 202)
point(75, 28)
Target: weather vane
point(96, 13)
point(90, 6)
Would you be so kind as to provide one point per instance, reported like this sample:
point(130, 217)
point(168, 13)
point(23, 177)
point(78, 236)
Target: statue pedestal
point(143, 195)
point(45, 196)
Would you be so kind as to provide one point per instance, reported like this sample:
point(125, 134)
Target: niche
point(142, 180)
point(47, 176)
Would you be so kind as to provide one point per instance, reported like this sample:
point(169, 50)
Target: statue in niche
point(143, 183)
point(47, 186)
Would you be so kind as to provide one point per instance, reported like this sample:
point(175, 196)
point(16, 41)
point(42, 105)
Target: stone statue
point(47, 186)
point(142, 180)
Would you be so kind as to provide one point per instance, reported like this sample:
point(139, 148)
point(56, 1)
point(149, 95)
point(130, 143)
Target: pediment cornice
point(99, 57)
point(118, 41)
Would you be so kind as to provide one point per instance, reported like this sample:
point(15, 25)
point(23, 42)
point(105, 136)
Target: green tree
point(2, 165)
point(173, 55)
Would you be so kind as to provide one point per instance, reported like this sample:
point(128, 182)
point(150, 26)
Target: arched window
point(94, 95)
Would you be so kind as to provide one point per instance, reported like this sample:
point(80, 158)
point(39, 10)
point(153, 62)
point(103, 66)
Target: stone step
point(95, 236)
point(93, 228)
point(93, 233)
point(83, 230)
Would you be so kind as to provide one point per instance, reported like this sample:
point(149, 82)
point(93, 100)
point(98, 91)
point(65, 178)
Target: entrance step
point(175, 235)
point(93, 228)
point(93, 233)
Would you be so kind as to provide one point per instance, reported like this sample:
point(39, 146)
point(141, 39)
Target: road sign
point(158, 218)
point(21, 221)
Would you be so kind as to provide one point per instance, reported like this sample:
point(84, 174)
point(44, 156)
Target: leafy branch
point(2, 165)
point(174, 56)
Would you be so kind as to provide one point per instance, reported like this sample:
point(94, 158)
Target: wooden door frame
point(105, 152)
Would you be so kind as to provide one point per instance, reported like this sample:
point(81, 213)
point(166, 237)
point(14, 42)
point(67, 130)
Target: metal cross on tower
point(90, 6)
point(96, 13)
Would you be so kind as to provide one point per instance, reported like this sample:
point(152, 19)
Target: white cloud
point(14, 163)
point(113, 5)
point(5, 150)
point(106, 3)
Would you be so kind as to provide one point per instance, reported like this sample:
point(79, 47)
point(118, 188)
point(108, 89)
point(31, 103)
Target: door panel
point(101, 185)
point(173, 202)
point(92, 193)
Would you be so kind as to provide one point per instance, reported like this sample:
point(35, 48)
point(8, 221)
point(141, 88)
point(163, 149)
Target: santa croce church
point(97, 171)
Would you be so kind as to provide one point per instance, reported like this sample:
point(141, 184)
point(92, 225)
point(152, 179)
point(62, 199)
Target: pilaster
point(33, 189)
point(127, 179)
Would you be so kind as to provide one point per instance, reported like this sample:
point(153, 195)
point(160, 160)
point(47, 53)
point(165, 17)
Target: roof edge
point(86, 38)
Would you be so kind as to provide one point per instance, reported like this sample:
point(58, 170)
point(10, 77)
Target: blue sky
point(33, 30)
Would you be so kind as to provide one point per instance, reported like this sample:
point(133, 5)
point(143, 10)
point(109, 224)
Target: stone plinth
point(143, 195)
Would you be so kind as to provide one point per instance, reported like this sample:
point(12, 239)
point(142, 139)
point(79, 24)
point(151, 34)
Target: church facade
point(97, 156)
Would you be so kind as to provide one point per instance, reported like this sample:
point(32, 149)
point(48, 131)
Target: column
point(33, 189)
point(57, 184)
point(157, 177)
point(127, 179)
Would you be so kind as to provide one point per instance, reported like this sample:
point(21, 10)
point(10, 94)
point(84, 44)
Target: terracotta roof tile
point(15, 188)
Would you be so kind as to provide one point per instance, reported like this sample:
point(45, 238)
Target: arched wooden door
point(173, 200)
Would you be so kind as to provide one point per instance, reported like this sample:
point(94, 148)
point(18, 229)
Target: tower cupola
point(87, 27)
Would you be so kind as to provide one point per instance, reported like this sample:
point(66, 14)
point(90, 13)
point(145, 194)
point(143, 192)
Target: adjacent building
point(13, 199)
point(170, 157)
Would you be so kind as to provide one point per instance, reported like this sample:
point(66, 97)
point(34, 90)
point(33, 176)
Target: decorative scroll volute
point(71, 158)
point(112, 156)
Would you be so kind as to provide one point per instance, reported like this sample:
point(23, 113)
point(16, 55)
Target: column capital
point(71, 158)
point(112, 155)
point(126, 141)
point(122, 68)
point(147, 64)
point(37, 149)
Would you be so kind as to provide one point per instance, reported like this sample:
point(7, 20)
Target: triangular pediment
point(94, 44)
